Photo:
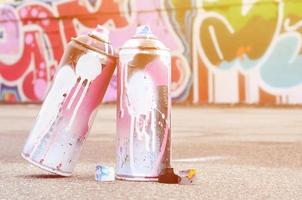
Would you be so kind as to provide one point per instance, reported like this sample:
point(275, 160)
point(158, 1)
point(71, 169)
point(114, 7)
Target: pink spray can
point(68, 111)
point(143, 108)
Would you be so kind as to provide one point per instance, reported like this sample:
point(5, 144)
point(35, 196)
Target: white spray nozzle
point(101, 33)
point(144, 30)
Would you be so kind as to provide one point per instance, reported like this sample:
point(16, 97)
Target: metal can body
point(143, 110)
point(68, 111)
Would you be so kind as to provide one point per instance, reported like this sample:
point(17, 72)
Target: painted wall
point(224, 51)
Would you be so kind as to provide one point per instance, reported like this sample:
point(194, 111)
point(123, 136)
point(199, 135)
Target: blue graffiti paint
point(280, 69)
point(245, 63)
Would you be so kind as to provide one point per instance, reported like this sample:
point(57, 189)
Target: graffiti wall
point(223, 51)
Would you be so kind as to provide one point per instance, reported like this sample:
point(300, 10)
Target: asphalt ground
point(239, 153)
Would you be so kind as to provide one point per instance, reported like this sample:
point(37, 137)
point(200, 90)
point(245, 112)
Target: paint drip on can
point(143, 107)
point(68, 111)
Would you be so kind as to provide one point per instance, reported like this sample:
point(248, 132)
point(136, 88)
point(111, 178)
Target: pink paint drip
point(154, 68)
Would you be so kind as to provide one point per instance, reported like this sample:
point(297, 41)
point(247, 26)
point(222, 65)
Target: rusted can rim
point(93, 48)
point(99, 39)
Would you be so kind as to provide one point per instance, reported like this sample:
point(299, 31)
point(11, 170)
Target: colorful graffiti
point(243, 51)
point(223, 51)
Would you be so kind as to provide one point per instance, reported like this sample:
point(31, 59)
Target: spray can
point(68, 111)
point(143, 108)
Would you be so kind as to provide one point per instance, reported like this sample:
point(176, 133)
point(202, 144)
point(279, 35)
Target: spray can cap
point(144, 31)
point(101, 33)
point(144, 39)
point(97, 40)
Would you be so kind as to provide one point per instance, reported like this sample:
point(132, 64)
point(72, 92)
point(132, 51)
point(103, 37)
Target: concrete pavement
point(240, 153)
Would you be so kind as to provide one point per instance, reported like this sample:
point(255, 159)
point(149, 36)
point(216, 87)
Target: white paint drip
point(63, 83)
point(77, 106)
point(147, 141)
point(74, 94)
point(124, 76)
point(88, 68)
point(137, 129)
point(139, 97)
point(141, 93)
point(131, 152)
